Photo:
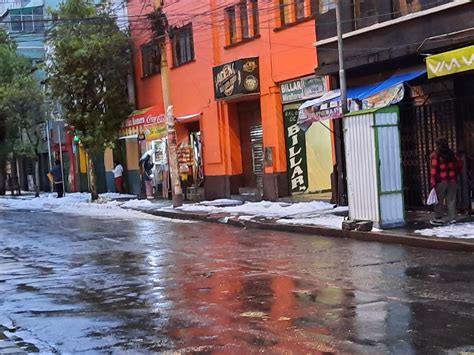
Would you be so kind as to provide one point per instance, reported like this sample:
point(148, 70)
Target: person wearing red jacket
point(445, 170)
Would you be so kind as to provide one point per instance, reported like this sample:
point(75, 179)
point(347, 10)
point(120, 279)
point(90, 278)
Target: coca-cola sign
point(144, 120)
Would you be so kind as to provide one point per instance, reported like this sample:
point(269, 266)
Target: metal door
point(256, 139)
point(361, 167)
point(390, 187)
point(420, 127)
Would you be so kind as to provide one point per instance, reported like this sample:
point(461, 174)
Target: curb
point(380, 237)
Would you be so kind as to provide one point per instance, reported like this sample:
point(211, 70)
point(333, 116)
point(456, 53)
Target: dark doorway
point(251, 136)
point(451, 118)
point(120, 155)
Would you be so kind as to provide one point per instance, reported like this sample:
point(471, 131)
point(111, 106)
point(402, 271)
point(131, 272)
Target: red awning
point(150, 121)
point(146, 116)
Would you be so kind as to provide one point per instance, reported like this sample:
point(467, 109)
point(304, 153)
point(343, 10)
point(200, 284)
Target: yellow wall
point(109, 159)
point(132, 154)
point(82, 161)
point(319, 155)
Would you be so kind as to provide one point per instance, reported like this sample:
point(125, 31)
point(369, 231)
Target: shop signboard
point(302, 89)
point(332, 109)
point(447, 63)
point(237, 78)
point(295, 150)
point(144, 120)
point(149, 123)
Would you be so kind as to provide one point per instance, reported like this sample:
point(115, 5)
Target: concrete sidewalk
point(397, 236)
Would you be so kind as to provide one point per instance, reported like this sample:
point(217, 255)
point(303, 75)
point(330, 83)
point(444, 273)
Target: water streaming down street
point(81, 284)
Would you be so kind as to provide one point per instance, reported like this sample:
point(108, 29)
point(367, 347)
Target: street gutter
point(408, 239)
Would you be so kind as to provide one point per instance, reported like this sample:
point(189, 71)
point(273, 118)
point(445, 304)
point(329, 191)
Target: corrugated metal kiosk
point(374, 173)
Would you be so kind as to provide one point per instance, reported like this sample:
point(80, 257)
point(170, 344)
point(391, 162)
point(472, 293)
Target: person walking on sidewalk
point(445, 170)
point(58, 178)
point(118, 177)
point(148, 166)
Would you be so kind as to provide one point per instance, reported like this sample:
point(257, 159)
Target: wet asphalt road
point(74, 284)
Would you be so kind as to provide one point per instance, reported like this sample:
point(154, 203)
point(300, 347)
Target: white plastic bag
point(432, 198)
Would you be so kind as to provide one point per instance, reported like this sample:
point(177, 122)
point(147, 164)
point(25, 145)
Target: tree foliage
point(21, 105)
point(15, 71)
point(26, 106)
point(89, 61)
point(21, 102)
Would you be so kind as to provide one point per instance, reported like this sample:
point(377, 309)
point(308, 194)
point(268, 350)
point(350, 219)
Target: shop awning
point(132, 136)
point(189, 118)
point(146, 116)
point(149, 121)
point(378, 95)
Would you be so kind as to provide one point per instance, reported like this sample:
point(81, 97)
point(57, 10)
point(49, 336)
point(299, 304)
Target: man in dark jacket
point(58, 178)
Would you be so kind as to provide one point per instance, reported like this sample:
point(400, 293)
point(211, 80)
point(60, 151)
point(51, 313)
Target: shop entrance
point(190, 161)
point(120, 155)
point(421, 125)
point(251, 137)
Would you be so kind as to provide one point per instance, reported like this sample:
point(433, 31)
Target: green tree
point(25, 102)
point(88, 67)
point(14, 71)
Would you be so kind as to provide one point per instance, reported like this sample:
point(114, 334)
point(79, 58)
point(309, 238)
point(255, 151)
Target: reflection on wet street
point(77, 284)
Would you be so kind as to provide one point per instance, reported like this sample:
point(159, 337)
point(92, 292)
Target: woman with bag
point(445, 170)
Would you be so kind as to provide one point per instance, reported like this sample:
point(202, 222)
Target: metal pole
point(61, 158)
point(18, 177)
point(48, 138)
point(176, 191)
point(342, 73)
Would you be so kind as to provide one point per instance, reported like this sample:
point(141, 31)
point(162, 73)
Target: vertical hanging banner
point(295, 150)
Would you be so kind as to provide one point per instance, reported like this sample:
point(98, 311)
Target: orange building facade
point(238, 70)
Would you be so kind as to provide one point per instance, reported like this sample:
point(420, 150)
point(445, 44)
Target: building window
point(256, 24)
point(299, 9)
point(242, 22)
point(294, 11)
point(151, 58)
point(285, 12)
point(365, 12)
point(244, 19)
point(38, 19)
point(182, 45)
point(27, 20)
point(231, 24)
point(326, 5)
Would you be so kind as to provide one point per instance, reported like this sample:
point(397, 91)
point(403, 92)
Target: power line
point(140, 17)
point(144, 32)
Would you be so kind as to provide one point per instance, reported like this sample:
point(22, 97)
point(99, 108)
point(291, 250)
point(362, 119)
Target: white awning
point(316, 102)
point(132, 136)
point(189, 118)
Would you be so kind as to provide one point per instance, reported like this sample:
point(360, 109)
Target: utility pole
point(342, 73)
point(176, 191)
point(341, 166)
